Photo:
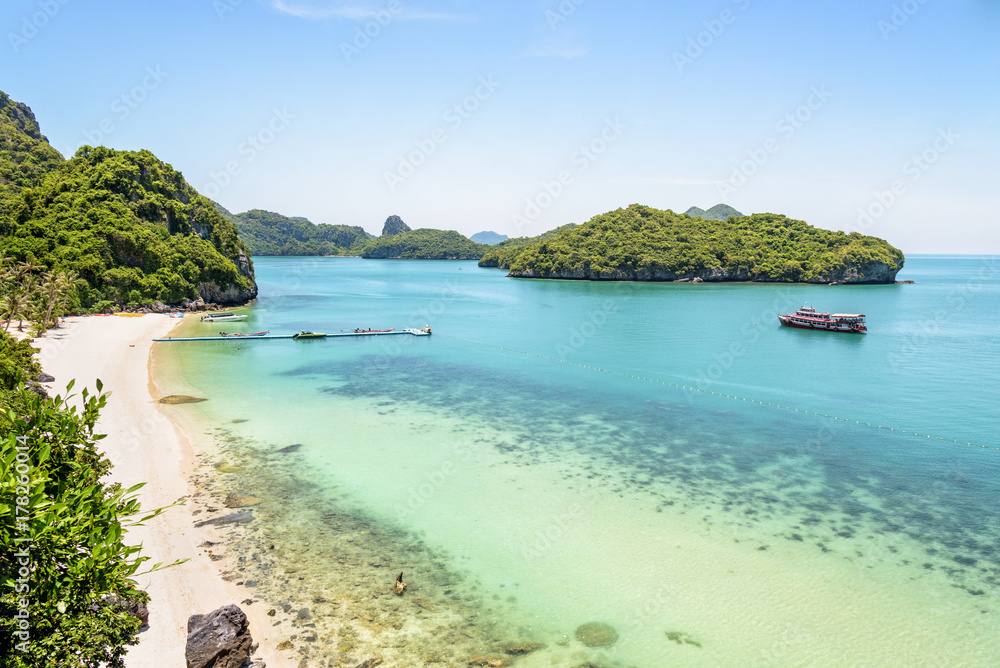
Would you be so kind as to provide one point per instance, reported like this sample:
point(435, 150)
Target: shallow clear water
point(647, 456)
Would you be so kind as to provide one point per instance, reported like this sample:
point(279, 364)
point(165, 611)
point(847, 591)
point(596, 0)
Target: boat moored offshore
point(808, 318)
point(222, 317)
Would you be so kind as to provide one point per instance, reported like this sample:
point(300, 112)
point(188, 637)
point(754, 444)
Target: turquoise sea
point(663, 459)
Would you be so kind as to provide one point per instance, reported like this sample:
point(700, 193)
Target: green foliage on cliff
point(66, 584)
point(17, 364)
point(425, 244)
point(268, 233)
point(25, 155)
point(642, 243)
point(126, 223)
point(66, 567)
point(503, 254)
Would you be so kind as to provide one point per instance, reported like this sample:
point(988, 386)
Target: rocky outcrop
point(230, 295)
point(871, 273)
point(227, 295)
point(22, 116)
point(717, 212)
point(394, 225)
point(220, 639)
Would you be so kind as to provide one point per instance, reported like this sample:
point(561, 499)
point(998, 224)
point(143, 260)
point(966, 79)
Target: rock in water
point(596, 634)
point(180, 399)
point(235, 518)
point(240, 500)
point(220, 639)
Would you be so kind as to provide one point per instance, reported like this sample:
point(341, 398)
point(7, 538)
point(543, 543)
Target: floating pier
point(309, 336)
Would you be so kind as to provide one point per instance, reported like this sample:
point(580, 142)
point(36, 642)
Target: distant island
point(504, 253)
point(488, 238)
point(269, 233)
point(398, 241)
point(717, 212)
point(640, 243)
point(126, 225)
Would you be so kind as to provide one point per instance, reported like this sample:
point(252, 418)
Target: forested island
point(640, 243)
point(269, 233)
point(503, 254)
point(425, 244)
point(123, 226)
point(398, 241)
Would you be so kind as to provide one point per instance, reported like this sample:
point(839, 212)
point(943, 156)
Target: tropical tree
point(56, 293)
point(78, 568)
point(18, 289)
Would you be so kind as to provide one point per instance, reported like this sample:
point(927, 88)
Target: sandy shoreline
point(145, 446)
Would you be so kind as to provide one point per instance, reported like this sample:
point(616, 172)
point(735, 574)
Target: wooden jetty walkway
point(307, 336)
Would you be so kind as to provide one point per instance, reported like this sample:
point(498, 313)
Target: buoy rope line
point(691, 388)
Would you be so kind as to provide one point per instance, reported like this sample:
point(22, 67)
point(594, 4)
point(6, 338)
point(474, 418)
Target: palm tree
point(16, 299)
point(58, 286)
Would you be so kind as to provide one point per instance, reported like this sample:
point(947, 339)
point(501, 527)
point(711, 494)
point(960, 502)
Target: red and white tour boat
point(807, 318)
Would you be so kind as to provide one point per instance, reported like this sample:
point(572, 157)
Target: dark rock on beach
point(291, 448)
point(220, 639)
point(235, 518)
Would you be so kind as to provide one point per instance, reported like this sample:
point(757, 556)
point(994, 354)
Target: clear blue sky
point(814, 110)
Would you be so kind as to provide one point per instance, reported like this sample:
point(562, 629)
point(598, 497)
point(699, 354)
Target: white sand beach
point(145, 446)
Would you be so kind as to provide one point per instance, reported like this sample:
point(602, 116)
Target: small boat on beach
point(808, 318)
point(302, 334)
point(222, 317)
point(237, 334)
